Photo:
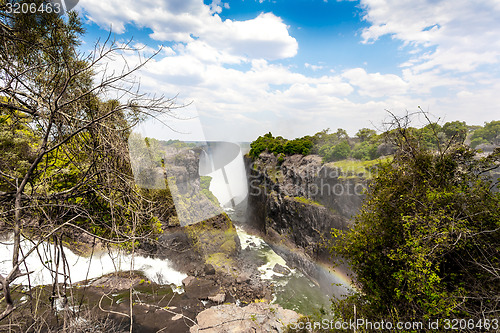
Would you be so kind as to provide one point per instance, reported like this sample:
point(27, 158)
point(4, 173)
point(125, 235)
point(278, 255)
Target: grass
point(307, 201)
point(357, 168)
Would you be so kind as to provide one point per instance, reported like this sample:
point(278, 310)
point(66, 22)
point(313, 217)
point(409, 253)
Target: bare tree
point(74, 170)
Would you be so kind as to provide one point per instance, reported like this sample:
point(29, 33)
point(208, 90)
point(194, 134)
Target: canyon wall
point(297, 203)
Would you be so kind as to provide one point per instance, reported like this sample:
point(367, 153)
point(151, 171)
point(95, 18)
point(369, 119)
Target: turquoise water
point(294, 291)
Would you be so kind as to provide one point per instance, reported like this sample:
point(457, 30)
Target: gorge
point(277, 252)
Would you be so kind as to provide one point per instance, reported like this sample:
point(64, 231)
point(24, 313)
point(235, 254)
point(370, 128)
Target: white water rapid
point(41, 263)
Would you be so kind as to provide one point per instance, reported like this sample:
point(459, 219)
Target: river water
point(43, 264)
point(293, 291)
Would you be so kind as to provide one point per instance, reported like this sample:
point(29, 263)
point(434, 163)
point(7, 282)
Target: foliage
point(366, 134)
point(65, 168)
point(279, 145)
point(356, 168)
point(205, 189)
point(338, 152)
point(365, 151)
point(17, 145)
point(428, 135)
point(178, 144)
point(455, 131)
point(66, 145)
point(490, 133)
point(426, 242)
point(307, 201)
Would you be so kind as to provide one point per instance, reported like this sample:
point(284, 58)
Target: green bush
point(426, 243)
point(279, 145)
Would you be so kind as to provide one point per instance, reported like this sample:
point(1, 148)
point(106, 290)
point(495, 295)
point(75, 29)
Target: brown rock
point(209, 269)
point(219, 298)
point(281, 269)
point(256, 317)
point(117, 281)
point(188, 280)
point(242, 278)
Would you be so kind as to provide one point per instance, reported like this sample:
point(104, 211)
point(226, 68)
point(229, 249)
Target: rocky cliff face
point(298, 202)
point(201, 241)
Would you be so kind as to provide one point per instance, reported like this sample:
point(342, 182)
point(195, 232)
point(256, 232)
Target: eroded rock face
point(301, 200)
point(298, 203)
point(256, 317)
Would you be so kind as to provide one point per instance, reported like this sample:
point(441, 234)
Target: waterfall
point(82, 268)
point(223, 161)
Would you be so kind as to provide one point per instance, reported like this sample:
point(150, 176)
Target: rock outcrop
point(301, 200)
point(256, 317)
point(297, 204)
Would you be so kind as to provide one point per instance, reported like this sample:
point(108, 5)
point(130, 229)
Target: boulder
point(118, 281)
point(243, 278)
point(219, 298)
point(209, 269)
point(256, 317)
point(187, 281)
point(281, 269)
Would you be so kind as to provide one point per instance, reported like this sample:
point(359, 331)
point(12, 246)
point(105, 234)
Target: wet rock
point(243, 278)
point(188, 280)
point(256, 317)
point(201, 288)
point(209, 269)
point(118, 281)
point(312, 199)
point(219, 298)
point(281, 269)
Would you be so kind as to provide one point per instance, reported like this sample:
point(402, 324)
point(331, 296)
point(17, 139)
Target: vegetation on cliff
point(65, 168)
point(426, 242)
point(66, 147)
point(367, 145)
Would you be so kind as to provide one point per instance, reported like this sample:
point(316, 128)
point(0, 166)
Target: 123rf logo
point(59, 7)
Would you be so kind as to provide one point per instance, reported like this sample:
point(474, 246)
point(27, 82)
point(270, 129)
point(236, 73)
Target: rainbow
point(339, 275)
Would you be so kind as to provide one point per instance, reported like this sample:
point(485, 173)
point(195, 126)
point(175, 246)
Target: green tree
point(72, 166)
point(366, 134)
point(279, 145)
point(490, 133)
point(365, 151)
point(426, 243)
point(341, 134)
point(338, 152)
point(456, 131)
point(429, 135)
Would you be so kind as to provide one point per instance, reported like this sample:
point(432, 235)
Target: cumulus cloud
point(229, 68)
point(375, 84)
point(265, 36)
point(464, 33)
point(453, 49)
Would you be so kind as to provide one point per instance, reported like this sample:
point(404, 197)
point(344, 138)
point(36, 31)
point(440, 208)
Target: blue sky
point(295, 67)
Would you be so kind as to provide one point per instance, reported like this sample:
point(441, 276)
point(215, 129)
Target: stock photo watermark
point(455, 324)
point(59, 7)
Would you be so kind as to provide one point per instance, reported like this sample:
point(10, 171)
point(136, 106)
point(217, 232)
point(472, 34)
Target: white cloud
point(463, 32)
point(227, 68)
point(265, 36)
point(313, 67)
point(375, 84)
